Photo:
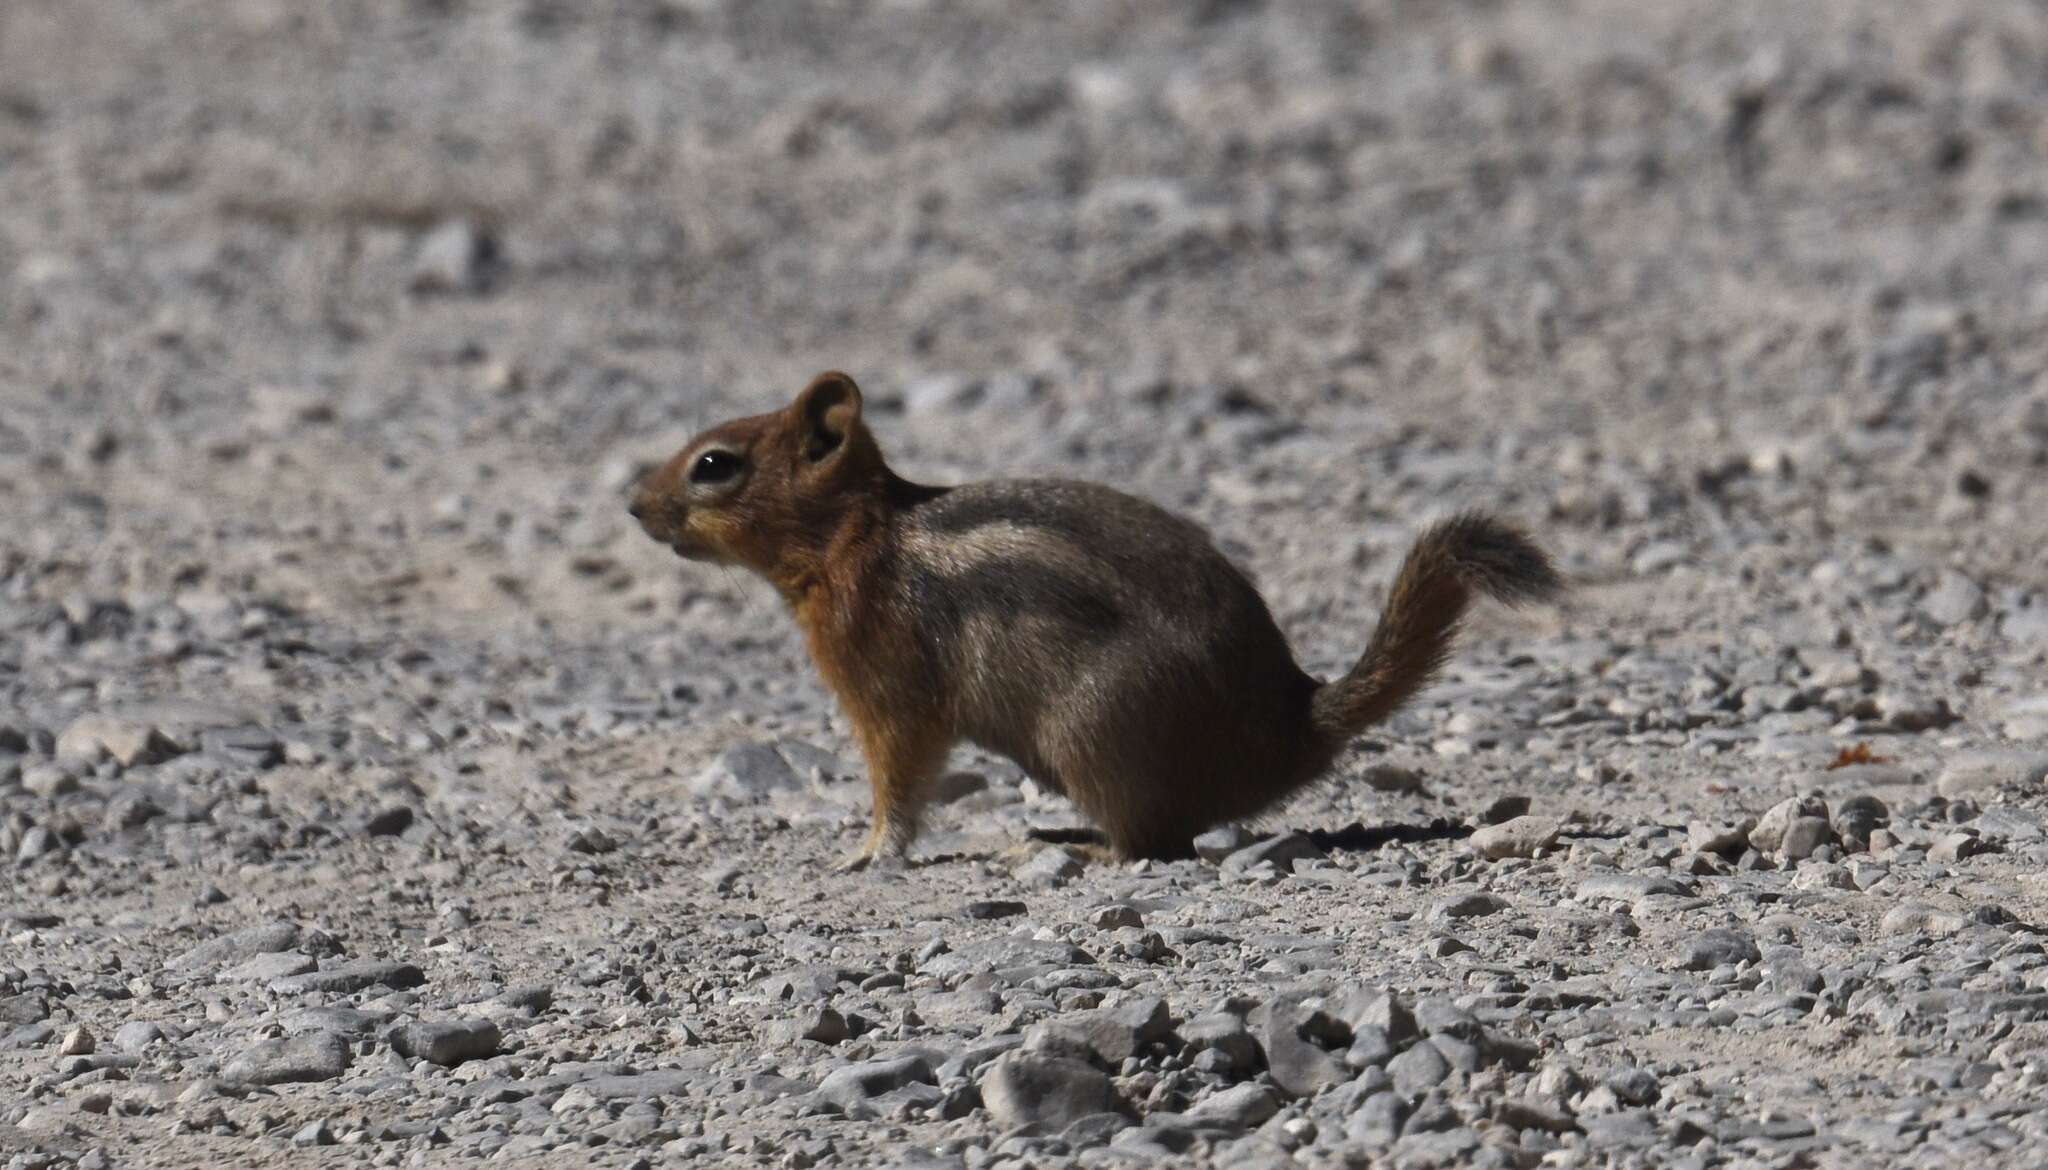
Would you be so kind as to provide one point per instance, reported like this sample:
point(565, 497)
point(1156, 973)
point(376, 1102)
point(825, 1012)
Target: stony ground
point(368, 782)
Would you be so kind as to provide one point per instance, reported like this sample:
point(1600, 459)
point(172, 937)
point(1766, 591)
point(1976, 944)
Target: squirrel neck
point(828, 573)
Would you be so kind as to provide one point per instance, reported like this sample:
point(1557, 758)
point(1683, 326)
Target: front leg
point(901, 764)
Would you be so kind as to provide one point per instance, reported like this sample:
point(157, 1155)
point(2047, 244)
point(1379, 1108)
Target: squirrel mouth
point(690, 551)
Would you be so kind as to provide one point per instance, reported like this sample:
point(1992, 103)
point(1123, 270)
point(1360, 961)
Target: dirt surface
point(374, 792)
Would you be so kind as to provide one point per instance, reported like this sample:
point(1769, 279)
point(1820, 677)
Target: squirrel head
point(768, 492)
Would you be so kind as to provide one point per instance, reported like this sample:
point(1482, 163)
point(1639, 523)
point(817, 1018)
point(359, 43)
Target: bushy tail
point(1467, 553)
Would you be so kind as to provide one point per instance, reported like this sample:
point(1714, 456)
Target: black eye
point(714, 467)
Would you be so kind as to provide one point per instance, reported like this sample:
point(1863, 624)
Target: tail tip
point(1498, 559)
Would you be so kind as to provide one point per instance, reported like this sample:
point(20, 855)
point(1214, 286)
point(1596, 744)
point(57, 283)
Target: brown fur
point(1097, 640)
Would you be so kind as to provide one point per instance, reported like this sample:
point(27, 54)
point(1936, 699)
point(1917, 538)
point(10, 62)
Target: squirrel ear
point(829, 410)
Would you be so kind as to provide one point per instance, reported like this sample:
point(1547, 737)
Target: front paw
point(854, 862)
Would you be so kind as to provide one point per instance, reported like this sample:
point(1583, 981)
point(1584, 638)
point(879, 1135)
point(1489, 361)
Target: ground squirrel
point(1101, 642)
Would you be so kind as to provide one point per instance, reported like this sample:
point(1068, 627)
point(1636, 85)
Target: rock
point(1419, 1069)
point(990, 910)
point(388, 822)
point(137, 1035)
point(1050, 868)
point(1719, 947)
point(455, 257)
point(1634, 1085)
point(1051, 1092)
point(1920, 918)
point(1382, 1011)
point(1726, 838)
point(1857, 817)
point(857, 1083)
point(49, 780)
point(1911, 711)
point(1287, 1033)
point(746, 771)
point(1110, 1035)
point(264, 968)
point(1503, 809)
point(1224, 1034)
point(529, 998)
point(1217, 844)
point(1239, 1107)
point(348, 977)
point(1627, 887)
point(310, 1056)
point(248, 942)
point(1533, 1113)
point(1378, 1119)
point(1392, 778)
point(1803, 836)
point(1466, 904)
point(1953, 847)
point(77, 1042)
point(1523, 836)
point(820, 1025)
point(447, 1042)
point(1979, 773)
point(1116, 918)
point(27, 1008)
point(313, 1133)
point(1954, 600)
point(1282, 852)
point(591, 840)
point(128, 742)
point(1769, 834)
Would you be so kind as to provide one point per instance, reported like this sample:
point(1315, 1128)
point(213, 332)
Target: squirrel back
point(1101, 642)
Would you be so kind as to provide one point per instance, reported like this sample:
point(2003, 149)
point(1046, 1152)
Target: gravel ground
point(368, 781)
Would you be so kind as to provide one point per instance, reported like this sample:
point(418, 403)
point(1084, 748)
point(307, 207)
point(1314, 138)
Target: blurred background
point(379, 306)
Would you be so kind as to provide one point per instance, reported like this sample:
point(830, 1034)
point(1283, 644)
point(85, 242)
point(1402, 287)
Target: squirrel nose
point(635, 510)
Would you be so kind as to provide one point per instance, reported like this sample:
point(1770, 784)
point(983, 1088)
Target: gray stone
point(1109, 1035)
point(447, 1042)
point(1239, 1107)
point(1282, 852)
point(1769, 834)
point(1803, 836)
point(1023, 1089)
point(1380, 1009)
point(746, 771)
point(1718, 947)
point(1223, 1033)
point(137, 1035)
point(1954, 600)
point(1465, 904)
point(349, 977)
point(1378, 1119)
point(1287, 1032)
point(263, 938)
point(1217, 844)
point(49, 780)
point(1523, 836)
point(1957, 846)
point(1857, 817)
point(263, 968)
point(1419, 1069)
point(128, 742)
point(1627, 887)
point(1726, 838)
point(1050, 868)
point(861, 1082)
point(1634, 1085)
point(1982, 772)
point(310, 1056)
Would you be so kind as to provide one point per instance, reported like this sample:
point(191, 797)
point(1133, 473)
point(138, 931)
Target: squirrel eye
point(714, 467)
